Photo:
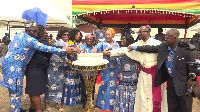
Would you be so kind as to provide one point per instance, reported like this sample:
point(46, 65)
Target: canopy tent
point(13, 11)
point(195, 28)
point(163, 13)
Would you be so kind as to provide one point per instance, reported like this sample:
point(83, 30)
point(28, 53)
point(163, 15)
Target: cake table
point(88, 66)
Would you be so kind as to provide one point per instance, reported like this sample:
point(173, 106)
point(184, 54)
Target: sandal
point(47, 106)
point(49, 109)
point(60, 109)
point(22, 110)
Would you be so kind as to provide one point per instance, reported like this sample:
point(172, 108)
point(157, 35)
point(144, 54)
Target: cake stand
point(88, 71)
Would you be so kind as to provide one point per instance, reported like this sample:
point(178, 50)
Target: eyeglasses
point(33, 31)
point(124, 39)
point(66, 35)
point(88, 39)
point(141, 31)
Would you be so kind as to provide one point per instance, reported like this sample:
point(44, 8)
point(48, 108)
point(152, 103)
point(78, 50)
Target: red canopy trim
point(130, 2)
point(139, 17)
point(183, 6)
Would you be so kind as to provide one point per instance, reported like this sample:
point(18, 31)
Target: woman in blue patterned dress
point(125, 94)
point(56, 72)
point(21, 50)
point(106, 94)
point(71, 89)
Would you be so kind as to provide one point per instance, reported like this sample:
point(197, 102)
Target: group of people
point(143, 66)
point(170, 66)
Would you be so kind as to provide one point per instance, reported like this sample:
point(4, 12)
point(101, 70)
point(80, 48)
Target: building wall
point(88, 28)
point(53, 31)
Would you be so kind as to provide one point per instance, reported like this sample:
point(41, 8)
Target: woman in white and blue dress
point(56, 71)
point(106, 94)
point(125, 94)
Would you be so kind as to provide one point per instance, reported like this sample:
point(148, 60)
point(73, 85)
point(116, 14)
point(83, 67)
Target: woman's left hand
point(106, 53)
point(82, 51)
point(94, 50)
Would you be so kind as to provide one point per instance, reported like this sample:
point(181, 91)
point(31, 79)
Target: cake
point(90, 59)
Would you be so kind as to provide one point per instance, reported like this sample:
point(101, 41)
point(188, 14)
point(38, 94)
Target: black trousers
point(83, 91)
point(177, 103)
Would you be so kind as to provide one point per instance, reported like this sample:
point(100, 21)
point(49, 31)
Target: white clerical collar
point(147, 40)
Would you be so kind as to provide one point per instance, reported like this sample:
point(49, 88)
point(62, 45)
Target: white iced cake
point(90, 59)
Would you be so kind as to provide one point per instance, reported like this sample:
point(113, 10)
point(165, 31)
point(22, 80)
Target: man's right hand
point(72, 50)
point(191, 83)
point(130, 48)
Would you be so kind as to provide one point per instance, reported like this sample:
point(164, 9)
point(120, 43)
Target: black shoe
point(84, 106)
point(22, 110)
point(32, 110)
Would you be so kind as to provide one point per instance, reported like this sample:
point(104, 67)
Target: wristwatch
point(193, 86)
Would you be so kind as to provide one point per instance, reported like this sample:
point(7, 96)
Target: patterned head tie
point(112, 31)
